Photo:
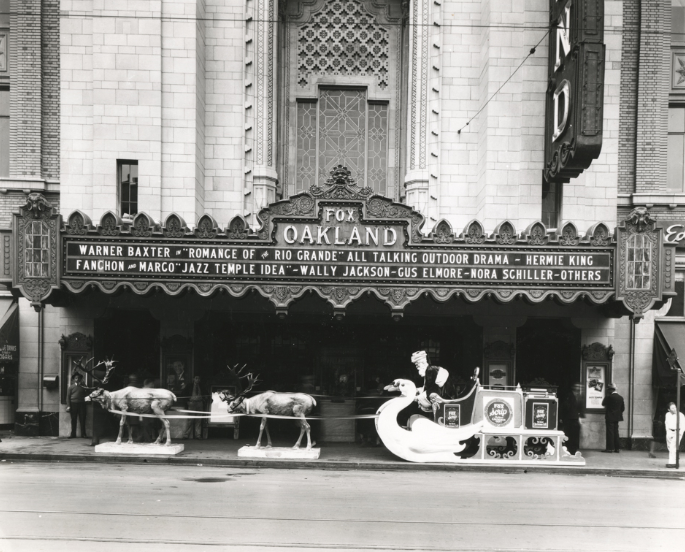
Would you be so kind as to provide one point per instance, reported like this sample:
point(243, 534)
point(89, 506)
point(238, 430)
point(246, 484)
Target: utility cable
point(530, 53)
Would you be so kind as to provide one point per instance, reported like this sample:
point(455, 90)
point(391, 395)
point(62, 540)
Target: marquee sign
point(575, 96)
point(338, 241)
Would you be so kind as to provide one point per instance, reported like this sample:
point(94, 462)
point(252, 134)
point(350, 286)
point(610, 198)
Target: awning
point(9, 334)
point(667, 337)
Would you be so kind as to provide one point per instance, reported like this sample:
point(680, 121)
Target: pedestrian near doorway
point(570, 416)
point(76, 405)
point(673, 437)
point(613, 414)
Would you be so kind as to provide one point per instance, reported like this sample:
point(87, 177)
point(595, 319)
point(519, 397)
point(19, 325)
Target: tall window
point(37, 250)
point(342, 128)
point(343, 96)
point(676, 112)
point(639, 262)
point(128, 186)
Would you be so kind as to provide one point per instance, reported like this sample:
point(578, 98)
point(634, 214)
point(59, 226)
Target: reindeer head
point(99, 396)
point(236, 403)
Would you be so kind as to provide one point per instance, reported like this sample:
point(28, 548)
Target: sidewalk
point(224, 452)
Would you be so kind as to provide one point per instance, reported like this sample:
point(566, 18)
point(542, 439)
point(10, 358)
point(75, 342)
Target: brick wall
point(12, 200)
point(50, 90)
point(628, 106)
point(25, 91)
point(652, 102)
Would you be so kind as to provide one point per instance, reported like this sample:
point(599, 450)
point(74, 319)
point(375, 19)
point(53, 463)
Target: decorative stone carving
point(536, 234)
point(474, 233)
point(340, 185)
point(36, 231)
point(174, 226)
point(597, 351)
point(442, 233)
point(78, 224)
point(505, 233)
point(207, 228)
point(569, 234)
point(110, 224)
point(76, 342)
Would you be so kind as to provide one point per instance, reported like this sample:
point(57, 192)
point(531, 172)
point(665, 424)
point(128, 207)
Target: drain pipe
point(631, 381)
point(40, 362)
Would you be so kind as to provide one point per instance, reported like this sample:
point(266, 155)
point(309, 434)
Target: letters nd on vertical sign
point(575, 95)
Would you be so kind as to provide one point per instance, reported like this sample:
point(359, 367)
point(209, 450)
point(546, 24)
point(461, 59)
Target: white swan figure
point(426, 441)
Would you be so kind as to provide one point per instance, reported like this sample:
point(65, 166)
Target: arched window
point(639, 262)
point(37, 250)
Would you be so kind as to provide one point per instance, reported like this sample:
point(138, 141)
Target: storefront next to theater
point(334, 291)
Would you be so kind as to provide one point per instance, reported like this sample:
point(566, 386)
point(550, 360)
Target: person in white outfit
point(671, 442)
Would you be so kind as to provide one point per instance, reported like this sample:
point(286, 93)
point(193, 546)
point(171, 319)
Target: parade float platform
point(279, 452)
point(139, 449)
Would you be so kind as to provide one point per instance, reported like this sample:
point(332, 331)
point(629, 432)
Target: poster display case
point(596, 374)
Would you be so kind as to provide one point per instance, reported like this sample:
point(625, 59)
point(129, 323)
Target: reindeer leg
point(121, 426)
point(268, 437)
point(130, 431)
point(301, 423)
point(160, 414)
point(261, 429)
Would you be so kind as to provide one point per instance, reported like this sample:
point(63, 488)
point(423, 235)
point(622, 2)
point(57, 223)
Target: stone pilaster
point(417, 179)
point(261, 177)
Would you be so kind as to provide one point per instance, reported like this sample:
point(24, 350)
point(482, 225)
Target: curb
point(337, 465)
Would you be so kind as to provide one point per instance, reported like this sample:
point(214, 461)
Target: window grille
point(37, 250)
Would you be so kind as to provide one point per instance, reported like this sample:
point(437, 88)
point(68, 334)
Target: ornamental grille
point(342, 39)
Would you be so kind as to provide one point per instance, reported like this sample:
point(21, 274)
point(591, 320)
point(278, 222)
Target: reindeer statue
point(297, 405)
point(138, 401)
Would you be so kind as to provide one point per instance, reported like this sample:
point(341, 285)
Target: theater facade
point(333, 292)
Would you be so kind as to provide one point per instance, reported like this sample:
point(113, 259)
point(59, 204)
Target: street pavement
point(191, 508)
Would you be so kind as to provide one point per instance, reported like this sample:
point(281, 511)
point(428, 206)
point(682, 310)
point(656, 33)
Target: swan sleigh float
point(487, 426)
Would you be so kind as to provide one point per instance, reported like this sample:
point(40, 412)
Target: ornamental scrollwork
point(442, 233)
point(142, 226)
point(207, 228)
point(110, 225)
point(640, 219)
point(537, 234)
point(340, 185)
point(505, 234)
point(237, 229)
point(77, 224)
point(597, 351)
point(569, 235)
point(474, 234)
point(174, 226)
point(600, 235)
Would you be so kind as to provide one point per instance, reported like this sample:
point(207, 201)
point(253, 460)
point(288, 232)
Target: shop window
point(551, 203)
point(432, 347)
point(37, 250)
point(639, 262)
point(342, 102)
point(678, 302)
point(127, 172)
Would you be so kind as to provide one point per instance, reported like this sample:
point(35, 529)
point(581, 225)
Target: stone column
point(417, 179)
point(261, 177)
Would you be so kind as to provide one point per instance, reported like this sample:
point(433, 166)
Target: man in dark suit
point(613, 413)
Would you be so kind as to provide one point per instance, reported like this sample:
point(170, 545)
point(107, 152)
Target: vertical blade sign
point(575, 94)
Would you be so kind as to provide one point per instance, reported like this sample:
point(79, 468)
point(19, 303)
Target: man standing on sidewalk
point(613, 413)
point(76, 405)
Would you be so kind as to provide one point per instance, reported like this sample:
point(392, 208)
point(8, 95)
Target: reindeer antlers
point(238, 372)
